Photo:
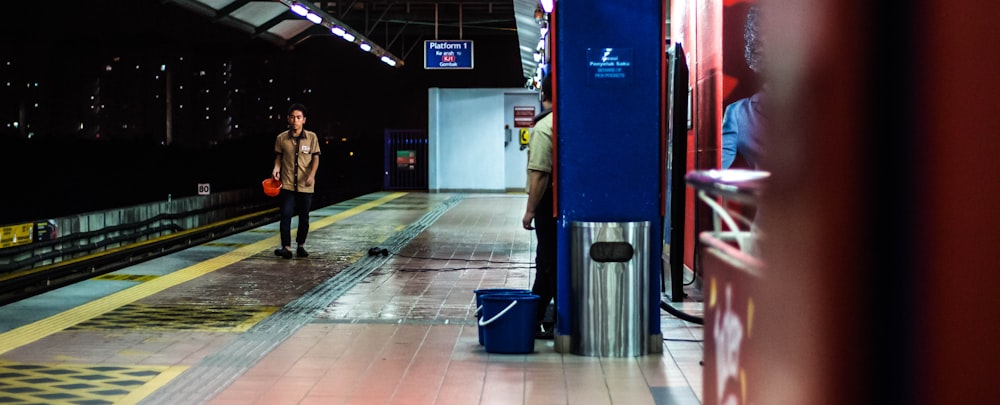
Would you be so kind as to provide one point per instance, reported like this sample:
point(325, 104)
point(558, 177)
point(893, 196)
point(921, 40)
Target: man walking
point(295, 163)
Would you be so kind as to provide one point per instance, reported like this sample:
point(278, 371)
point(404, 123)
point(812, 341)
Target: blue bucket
point(479, 303)
point(509, 323)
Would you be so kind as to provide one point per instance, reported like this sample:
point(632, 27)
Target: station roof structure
point(394, 27)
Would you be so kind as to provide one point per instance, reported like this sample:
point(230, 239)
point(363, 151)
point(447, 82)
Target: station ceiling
point(398, 26)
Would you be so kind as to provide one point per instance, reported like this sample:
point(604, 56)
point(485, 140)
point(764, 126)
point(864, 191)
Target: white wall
point(516, 159)
point(466, 139)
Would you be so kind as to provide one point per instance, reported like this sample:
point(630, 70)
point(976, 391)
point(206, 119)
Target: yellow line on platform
point(29, 333)
point(134, 397)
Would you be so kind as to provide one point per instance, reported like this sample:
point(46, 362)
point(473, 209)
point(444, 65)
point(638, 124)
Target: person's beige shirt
point(291, 150)
point(540, 146)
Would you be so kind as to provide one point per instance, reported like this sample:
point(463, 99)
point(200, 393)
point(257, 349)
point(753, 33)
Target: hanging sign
point(455, 54)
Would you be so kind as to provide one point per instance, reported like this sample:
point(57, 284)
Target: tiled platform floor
point(403, 334)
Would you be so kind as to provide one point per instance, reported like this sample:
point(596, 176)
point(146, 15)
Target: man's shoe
point(285, 253)
point(301, 252)
point(541, 332)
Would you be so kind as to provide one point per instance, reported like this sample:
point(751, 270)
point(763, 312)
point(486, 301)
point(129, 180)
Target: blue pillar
point(608, 119)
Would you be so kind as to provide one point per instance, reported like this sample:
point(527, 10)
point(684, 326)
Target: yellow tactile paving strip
point(178, 317)
point(29, 333)
point(78, 384)
point(22, 383)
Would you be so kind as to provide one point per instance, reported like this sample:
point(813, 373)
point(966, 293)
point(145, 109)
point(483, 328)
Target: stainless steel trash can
point(610, 289)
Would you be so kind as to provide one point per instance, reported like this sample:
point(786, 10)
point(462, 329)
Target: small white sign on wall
point(204, 188)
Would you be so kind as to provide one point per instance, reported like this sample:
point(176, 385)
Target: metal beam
point(408, 51)
point(349, 7)
point(228, 9)
point(398, 33)
point(380, 17)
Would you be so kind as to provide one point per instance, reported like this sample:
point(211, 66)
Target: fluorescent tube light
point(299, 9)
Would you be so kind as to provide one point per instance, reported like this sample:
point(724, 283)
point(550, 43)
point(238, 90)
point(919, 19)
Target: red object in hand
point(272, 187)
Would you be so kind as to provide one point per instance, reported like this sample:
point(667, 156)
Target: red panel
point(730, 278)
point(959, 169)
point(698, 24)
point(713, 32)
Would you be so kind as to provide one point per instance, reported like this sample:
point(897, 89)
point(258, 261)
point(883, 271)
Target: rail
point(23, 283)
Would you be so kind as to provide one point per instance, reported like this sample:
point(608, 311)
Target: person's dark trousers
point(291, 203)
point(545, 255)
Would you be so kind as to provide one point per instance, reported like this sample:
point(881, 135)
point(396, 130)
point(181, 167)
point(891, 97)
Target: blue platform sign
point(448, 54)
point(612, 65)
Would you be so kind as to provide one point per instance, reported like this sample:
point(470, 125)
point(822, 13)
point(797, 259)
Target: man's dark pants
point(545, 255)
point(293, 202)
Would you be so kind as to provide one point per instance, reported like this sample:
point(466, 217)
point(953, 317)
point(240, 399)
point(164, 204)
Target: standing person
point(295, 162)
point(539, 209)
point(744, 121)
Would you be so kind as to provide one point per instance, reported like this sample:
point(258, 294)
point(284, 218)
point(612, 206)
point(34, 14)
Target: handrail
point(22, 284)
point(167, 216)
point(738, 185)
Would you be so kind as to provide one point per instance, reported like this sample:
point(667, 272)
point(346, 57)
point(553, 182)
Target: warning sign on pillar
point(523, 116)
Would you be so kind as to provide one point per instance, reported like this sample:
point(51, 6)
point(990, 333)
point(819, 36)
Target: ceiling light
point(338, 28)
point(299, 9)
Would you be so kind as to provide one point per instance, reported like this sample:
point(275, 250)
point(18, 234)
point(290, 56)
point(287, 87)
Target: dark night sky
point(339, 71)
point(349, 93)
